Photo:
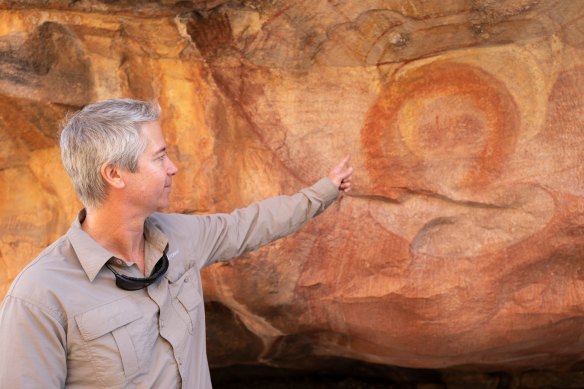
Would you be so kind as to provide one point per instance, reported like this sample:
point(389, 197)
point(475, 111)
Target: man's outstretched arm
point(223, 236)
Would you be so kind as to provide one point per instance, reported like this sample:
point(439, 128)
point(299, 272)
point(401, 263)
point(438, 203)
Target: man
point(117, 301)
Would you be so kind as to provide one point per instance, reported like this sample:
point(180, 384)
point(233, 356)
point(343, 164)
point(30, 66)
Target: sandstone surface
point(462, 243)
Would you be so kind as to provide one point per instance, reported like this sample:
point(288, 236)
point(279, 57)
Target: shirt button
point(180, 361)
point(161, 323)
point(118, 262)
point(186, 279)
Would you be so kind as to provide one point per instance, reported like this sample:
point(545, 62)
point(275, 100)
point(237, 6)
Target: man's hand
point(341, 174)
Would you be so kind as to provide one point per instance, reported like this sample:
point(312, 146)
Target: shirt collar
point(154, 236)
point(93, 257)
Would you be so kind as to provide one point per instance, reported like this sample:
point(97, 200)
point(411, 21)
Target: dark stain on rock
point(49, 64)
point(211, 32)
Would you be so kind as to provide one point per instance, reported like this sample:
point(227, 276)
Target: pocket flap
point(106, 318)
point(189, 298)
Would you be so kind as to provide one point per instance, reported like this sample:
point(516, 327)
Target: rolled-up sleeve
point(33, 352)
point(226, 236)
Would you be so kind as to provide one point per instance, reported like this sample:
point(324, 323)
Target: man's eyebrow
point(160, 150)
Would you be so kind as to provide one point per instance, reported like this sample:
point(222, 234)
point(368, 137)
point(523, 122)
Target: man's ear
point(111, 175)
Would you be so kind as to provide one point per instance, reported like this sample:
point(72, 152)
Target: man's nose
point(171, 168)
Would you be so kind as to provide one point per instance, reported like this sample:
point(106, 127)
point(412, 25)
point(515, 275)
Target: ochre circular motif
point(443, 121)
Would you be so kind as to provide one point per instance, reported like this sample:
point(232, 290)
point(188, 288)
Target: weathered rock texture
point(462, 243)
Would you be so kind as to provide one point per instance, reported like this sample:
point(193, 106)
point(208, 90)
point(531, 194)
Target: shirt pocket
point(189, 298)
point(107, 337)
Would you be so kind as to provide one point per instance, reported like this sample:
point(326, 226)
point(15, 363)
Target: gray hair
point(103, 132)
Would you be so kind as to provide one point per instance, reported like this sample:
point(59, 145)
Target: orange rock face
point(461, 244)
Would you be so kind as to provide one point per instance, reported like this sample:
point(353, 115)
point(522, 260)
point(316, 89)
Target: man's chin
point(162, 208)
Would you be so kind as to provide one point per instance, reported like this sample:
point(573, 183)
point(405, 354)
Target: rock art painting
point(462, 243)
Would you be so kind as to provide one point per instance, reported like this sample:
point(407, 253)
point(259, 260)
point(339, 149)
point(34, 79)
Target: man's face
point(149, 187)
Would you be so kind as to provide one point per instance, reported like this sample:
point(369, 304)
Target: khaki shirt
point(64, 323)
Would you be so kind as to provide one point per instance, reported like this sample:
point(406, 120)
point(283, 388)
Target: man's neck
point(120, 231)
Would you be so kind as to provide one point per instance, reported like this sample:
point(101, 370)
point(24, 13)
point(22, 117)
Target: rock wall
point(463, 241)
